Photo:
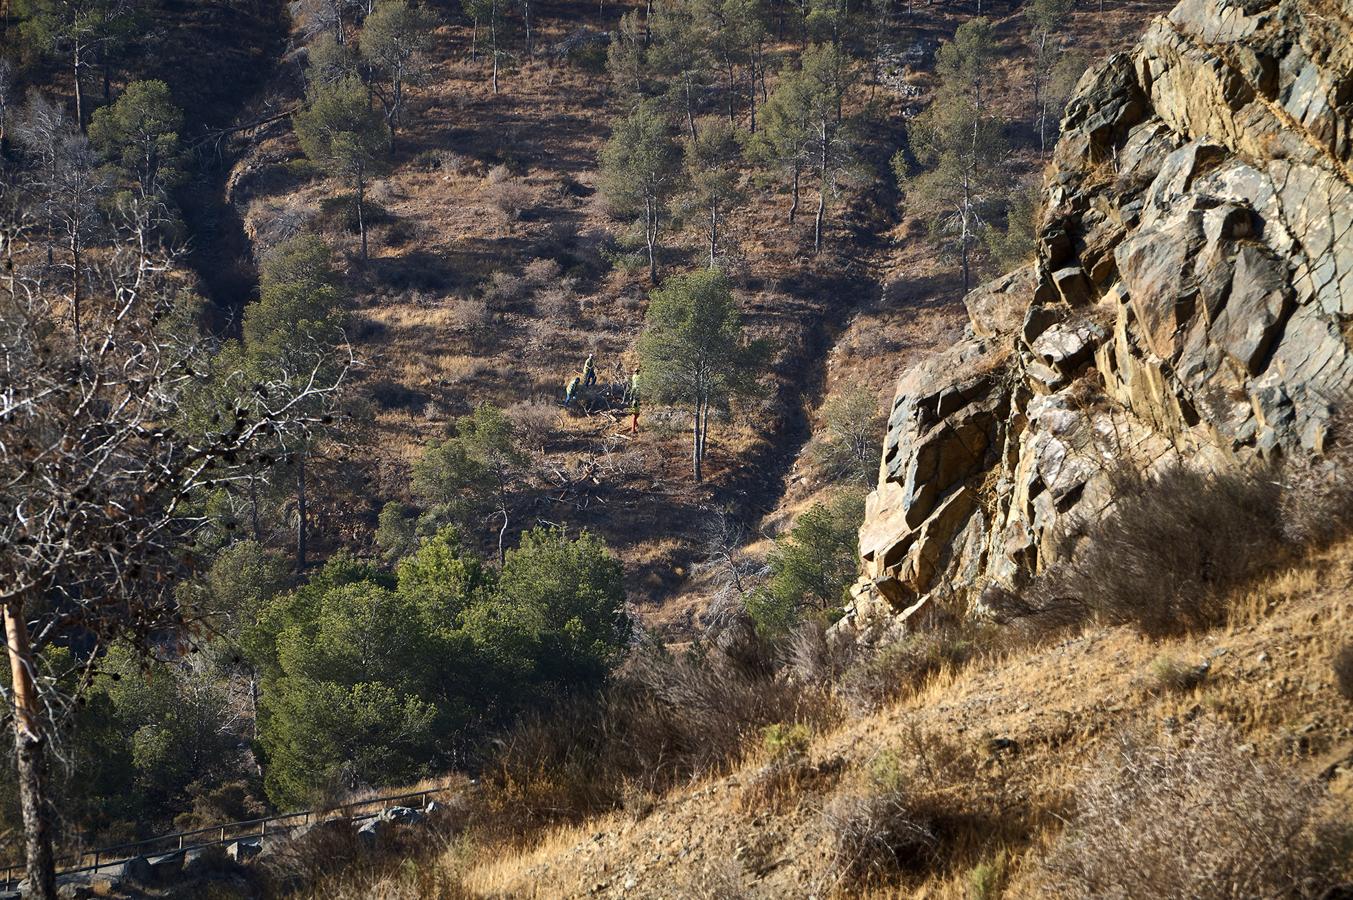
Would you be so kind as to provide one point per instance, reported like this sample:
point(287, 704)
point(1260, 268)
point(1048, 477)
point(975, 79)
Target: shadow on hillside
point(926, 292)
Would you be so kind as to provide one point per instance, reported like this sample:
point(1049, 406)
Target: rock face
point(1191, 304)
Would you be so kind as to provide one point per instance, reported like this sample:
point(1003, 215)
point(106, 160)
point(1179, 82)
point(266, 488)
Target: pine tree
point(961, 147)
point(79, 31)
point(394, 43)
point(341, 133)
point(694, 353)
point(805, 127)
point(640, 174)
point(139, 136)
point(711, 161)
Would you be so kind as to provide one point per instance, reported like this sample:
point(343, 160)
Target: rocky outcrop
point(1190, 304)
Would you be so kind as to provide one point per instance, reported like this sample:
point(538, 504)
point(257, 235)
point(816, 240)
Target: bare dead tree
point(99, 469)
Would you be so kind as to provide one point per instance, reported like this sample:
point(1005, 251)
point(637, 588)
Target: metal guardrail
point(117, 854)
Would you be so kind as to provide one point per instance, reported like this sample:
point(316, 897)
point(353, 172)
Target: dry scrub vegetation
point(960, 762)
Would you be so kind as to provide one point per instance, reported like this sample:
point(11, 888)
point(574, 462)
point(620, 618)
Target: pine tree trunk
point(253, 510)
point(690, 111)
point(361, 213)
point(30, 760)
point(713, 233)
point(253, 718)
point(75, 277)
point(794, 202)
point(817, 221)
point(732, 91)
point(651, 238)
point(751, 96)
point(821, 194)
point(697, 451)
point(493, 37)
point(79, 92)
point(302, 511)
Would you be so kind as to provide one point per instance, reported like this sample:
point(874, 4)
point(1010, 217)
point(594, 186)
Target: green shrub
point(781, 740)
point(810, 568)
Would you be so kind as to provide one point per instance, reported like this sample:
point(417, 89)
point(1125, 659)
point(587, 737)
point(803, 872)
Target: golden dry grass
point(1006, 737)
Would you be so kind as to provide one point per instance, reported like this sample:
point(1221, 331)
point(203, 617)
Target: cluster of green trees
point(953, 175)
point(465, 480)
point(292, 337)
point(85, 35)
point(702, 99)
point(342, 132)
point(654, 172)
point(370, 677)
point(810, 568)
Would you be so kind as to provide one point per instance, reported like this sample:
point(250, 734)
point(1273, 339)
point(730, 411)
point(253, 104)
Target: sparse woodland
point(292, 507)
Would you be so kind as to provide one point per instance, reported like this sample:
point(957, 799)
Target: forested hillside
point(399, 391)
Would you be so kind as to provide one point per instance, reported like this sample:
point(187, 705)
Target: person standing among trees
point(589, 370)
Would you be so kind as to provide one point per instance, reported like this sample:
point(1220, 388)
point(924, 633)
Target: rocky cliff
point(1190, 304)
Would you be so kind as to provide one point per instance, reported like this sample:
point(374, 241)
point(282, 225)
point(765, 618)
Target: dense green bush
point(374, 680)
point(811, 568)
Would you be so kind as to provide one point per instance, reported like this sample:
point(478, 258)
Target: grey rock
point(401, 815)
point(244, 850)
point(1189, 309)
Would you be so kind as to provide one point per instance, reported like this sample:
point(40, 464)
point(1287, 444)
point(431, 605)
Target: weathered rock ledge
point(1190, 304)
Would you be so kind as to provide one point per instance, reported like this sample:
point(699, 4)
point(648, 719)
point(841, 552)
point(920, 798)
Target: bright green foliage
point(468, 476)
point(805, 128)
point(343, 135)
point(960, 145)
point(242, 577)
point(712, 171)
point(302, 605)
point(299, 317)
point(348, 705)
point(567, 596)
point(640, 173)
point(443, 578)
point(1015, 245)
point(77, 32)
point(322, 733)
point(693, 350)
point(372, 680)
point(811, 567)
point(850, 448)
point(138, 136)
point(395, 41)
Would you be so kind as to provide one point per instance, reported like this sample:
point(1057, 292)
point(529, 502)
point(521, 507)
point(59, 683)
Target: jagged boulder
point(1190, 304)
